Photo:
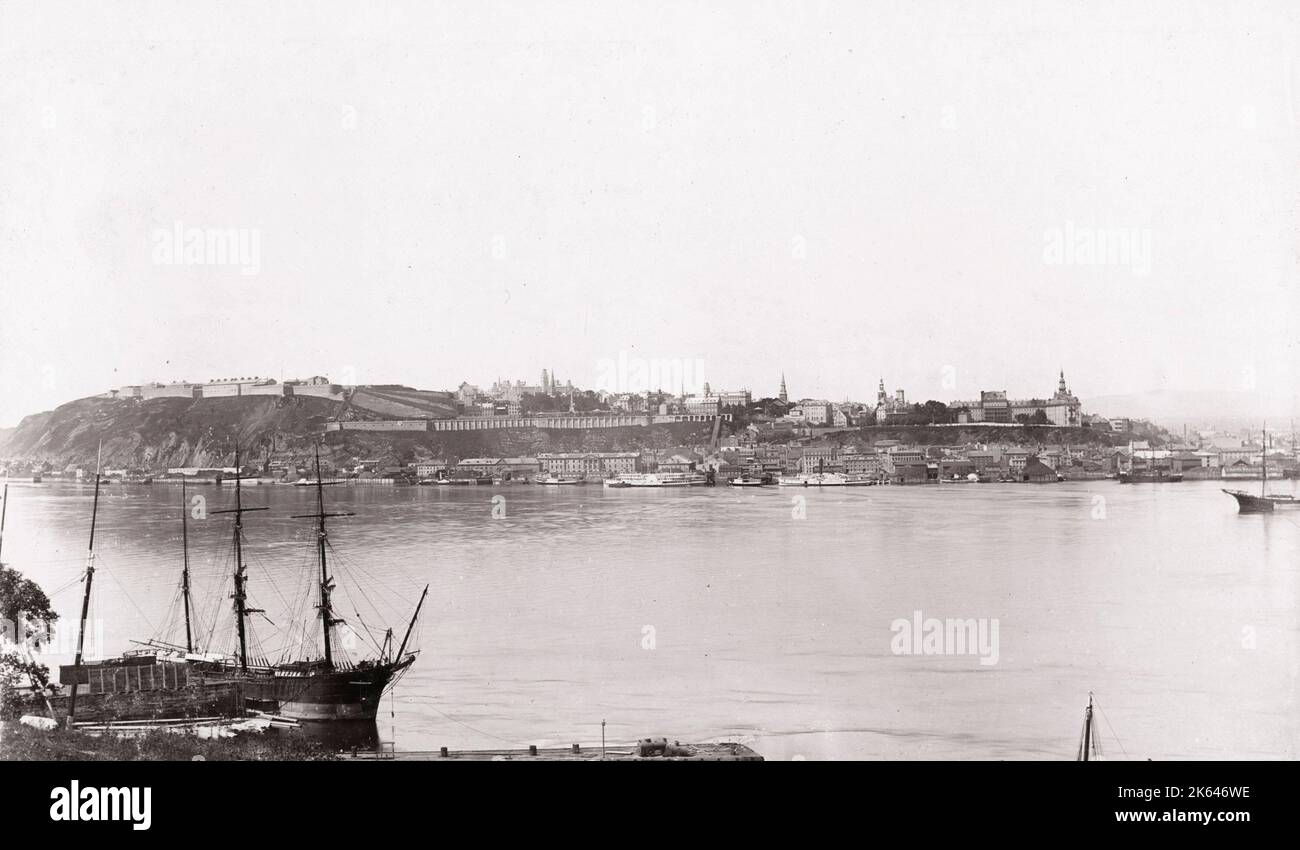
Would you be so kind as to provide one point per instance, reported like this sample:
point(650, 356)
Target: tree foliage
point(23, 601)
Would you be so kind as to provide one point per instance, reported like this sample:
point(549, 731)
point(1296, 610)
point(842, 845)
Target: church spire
point(784, 396)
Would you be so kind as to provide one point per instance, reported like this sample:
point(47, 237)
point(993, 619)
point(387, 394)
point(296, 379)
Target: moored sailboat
point(1264, 503)
point(323, 688)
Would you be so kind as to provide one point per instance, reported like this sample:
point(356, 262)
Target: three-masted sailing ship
point(324, 688)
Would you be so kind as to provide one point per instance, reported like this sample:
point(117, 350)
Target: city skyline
point(944, 388)
point(1202, 410)
point(658, 191)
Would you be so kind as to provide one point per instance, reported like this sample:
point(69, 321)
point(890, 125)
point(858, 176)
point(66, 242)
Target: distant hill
point(1225, 411)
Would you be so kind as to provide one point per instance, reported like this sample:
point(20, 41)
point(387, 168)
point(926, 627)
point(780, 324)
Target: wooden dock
point(640, 751)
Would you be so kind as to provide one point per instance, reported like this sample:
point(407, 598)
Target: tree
point(934, 413)
point(771, 407)
point(23, 607)
point(23, 603)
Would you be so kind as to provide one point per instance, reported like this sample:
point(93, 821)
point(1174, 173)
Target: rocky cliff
point(171, 432)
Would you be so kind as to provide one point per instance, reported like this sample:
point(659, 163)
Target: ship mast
point(85, 599)
point(1263, 466)
point(4, 509)
point(327, 618)
point(241, 577)
point(411, 625)
point(185, 569)
point(1087, 730)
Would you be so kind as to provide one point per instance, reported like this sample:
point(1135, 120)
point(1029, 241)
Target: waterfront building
point(1036, 472)
point(901, 455)
point(1017, 460)
point(822, 457)
point(497, 466)
point(861, 464)
point(430, 468)
point(678, 462)
point(955, 469)
point(602, 464)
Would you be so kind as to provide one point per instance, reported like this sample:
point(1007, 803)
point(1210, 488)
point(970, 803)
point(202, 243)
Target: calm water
point(1179, 613)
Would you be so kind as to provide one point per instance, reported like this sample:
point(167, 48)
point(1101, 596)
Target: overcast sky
point(442, 192)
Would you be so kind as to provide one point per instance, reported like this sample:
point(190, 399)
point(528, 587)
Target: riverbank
point(24, 743)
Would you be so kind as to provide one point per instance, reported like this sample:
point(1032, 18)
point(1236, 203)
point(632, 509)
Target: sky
point(427, 193)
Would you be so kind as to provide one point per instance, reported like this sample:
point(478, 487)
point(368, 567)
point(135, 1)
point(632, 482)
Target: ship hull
point(1148, 478)
point(352, 694)
point(1248, 504)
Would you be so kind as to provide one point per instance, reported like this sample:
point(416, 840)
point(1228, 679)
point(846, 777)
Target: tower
point(783, 395)
point(881, 396)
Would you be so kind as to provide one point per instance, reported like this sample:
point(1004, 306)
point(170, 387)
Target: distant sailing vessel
point(1151, 475)
point(308, 688)
point(1264, 503)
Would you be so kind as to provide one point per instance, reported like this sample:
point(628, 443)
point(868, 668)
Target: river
point(762, 615)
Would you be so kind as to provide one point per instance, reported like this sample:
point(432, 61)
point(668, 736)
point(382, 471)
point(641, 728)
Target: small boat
point(36, 478)
point(615, 483)
point(746, 481)
point(557, 479)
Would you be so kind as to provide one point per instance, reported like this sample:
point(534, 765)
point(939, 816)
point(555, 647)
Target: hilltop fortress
point(317, 387)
